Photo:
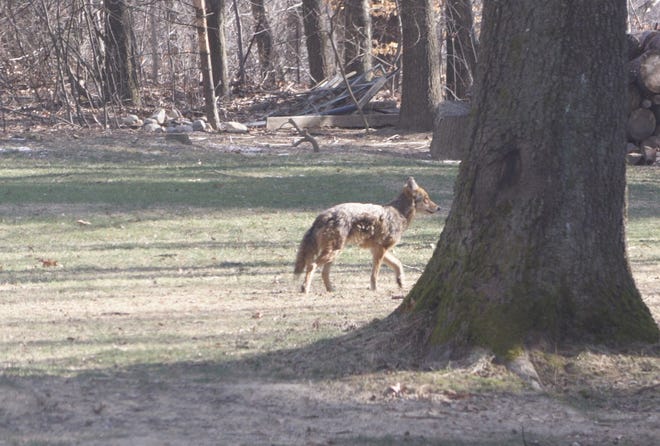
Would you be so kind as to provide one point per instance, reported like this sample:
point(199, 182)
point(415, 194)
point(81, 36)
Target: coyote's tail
point(306, 251)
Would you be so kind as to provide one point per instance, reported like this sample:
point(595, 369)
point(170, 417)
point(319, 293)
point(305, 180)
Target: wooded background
point(85, 62)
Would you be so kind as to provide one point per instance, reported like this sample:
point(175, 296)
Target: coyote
point(371, 226)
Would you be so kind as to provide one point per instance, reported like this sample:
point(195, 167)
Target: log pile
point(643, 128)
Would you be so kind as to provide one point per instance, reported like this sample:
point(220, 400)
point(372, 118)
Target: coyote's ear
point(412, 184)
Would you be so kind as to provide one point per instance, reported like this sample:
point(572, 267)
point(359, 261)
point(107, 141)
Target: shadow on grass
point(306, 183)
point(279, 398)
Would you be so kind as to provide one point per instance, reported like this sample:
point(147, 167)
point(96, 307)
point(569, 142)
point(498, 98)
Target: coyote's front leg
point(378, 255)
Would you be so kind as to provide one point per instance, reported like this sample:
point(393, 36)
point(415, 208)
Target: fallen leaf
point(48, 263)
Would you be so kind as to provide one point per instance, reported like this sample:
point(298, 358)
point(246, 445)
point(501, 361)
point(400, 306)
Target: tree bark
point(357, 36)
point(533, 251)
point(155, 52)
point(217, 23)
point(239, 44)
point(121, 80)
point(461, 49)
point(263, 36)
point(450, 131)
point(421, 85)
point(316, 39)
point(205, 62)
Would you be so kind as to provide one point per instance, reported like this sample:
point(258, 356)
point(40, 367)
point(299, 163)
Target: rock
point(160, 116)
point(233, 127)
point(132, 121)
point(173, 114)
point(152, 127)
point(199, 125)
point(522, 366)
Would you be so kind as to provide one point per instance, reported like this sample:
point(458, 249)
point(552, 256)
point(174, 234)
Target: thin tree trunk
point(357, 36)
point(461, 49)
point(205, 62)
point(121, 70)
point(316, 40)
point(239, 44)
point(218, 45)
point(155, 55)
point(263, 37)
point(294, 24)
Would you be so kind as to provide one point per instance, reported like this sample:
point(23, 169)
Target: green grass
point(129, 271)
point(98, 249)
point(108, 232)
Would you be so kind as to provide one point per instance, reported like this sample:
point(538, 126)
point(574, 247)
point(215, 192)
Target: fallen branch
point(305, 137)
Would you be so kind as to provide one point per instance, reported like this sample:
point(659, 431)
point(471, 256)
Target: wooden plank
point(346, 121)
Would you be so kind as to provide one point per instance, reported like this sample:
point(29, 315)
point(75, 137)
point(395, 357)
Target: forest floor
point(146, 299)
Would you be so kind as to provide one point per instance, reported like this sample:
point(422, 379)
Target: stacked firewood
point(644, 98)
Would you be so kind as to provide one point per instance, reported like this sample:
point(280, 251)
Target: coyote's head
point(421, 198)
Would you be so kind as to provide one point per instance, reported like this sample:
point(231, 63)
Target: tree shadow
point(283, 397)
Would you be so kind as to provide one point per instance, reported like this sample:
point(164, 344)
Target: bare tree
point(121, 79)
point(205, 63)
point(461, 49)
point(263, 37)
point(217, 23)
point(357, 36)
point(316, 39)
point(421, 83)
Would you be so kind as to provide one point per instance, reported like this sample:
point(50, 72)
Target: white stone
point(234, 127)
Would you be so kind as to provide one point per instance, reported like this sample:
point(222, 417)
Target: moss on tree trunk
point(534, 247)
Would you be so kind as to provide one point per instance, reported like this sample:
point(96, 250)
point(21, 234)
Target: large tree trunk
point(461, 49)
point(316, 39)
point(533, 249)
point(421, 84)
point(121, 80)
point(357, 36)
point(217, 23)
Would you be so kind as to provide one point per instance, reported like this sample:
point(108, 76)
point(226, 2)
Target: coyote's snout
point(371, 226)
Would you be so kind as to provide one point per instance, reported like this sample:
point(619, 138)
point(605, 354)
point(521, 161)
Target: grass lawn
point(133, 270)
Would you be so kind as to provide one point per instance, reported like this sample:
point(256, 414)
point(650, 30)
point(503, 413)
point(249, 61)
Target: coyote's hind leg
point(325, 259)
point(396, 265)
point(309, 272)
point(325, 274)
